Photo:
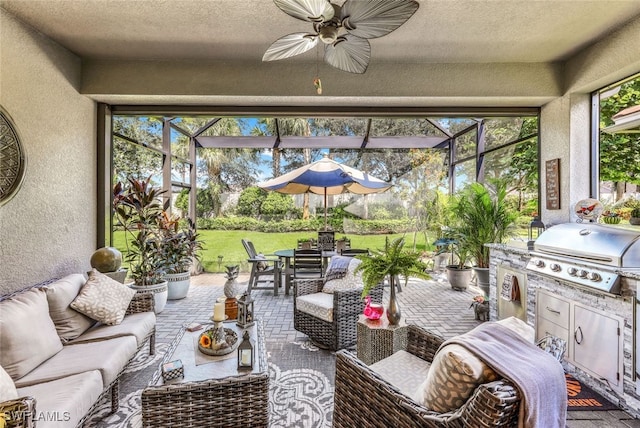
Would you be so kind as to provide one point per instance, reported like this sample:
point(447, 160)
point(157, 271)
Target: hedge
point(275, 225)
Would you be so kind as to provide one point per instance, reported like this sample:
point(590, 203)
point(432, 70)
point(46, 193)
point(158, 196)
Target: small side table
point(378, 339)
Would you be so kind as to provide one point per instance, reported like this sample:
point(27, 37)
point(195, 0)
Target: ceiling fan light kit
point(344, 30)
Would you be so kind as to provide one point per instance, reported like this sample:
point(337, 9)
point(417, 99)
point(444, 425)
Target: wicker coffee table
point(214, 394)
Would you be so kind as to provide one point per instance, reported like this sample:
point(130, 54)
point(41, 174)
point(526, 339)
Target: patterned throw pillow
point(103, 299)
point(348, 282)
point(454, 374)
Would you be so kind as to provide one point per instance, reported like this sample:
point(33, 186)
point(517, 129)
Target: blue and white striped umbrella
point(326, 177)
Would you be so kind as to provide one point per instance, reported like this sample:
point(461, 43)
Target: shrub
point(250, 201)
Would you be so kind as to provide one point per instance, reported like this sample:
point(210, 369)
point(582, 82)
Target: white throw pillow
point(349, 282)
point(8, 389)
point(520, 327)
point(103, 299)
point(27, 334)
point(69, 322)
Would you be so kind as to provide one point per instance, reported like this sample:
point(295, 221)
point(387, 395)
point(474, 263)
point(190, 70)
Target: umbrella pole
point(325, 208)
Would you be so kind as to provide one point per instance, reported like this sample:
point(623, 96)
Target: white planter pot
point(482, 280)
point(160, 292)
point(459, 278)
point(178, 284)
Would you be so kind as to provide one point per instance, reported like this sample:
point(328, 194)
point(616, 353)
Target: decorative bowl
point(229, 344)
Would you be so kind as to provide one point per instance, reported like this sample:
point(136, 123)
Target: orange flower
point(205, 341)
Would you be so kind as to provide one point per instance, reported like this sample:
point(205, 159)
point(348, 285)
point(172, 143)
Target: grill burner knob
point(572, 271)
point(595, 277)
point(539, 263)
point(583, 274)
point(555, 267)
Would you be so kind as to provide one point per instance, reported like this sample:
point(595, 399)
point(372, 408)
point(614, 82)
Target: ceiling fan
point(344, 30)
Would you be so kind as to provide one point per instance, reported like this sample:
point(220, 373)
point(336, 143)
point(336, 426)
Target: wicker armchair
point(364, 399)
point(348, 305)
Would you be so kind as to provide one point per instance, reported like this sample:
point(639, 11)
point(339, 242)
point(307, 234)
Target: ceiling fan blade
point(376, 18)
point(307, 10)
point(290, 45)
point(349, 53)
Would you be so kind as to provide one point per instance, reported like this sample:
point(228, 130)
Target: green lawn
point(226, 243)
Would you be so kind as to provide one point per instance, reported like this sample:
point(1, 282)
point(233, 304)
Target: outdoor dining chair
point(265, 272)
point(307, 264)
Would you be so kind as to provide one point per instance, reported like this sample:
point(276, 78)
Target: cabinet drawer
point(545, 327)
point(553, 309)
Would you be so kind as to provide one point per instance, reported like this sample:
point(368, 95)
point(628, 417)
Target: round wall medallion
point(13, 161)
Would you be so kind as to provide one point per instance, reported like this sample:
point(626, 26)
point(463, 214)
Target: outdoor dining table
point(285, 257)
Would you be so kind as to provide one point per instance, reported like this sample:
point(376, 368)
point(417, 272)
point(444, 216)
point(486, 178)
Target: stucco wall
point(48, 229)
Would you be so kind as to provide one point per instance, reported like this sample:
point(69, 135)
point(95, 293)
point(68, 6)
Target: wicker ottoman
point(378, 339)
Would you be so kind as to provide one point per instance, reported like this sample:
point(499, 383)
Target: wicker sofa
point(365, 397)
point(60, 373)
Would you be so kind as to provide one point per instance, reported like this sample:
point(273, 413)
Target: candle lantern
point(245, 352)
point(245, 311)
point(536, 227)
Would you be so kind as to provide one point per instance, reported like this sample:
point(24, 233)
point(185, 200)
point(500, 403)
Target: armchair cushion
point(350, 281)
point(454, 374)
point(69, 322)
point(27, 334)
point(103, 299)
point(319, 305)
point(403, 370)
point(8, 389)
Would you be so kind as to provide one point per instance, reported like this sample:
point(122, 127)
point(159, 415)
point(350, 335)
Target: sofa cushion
point(138, 325)
point(103, 299)
point(520, 327)
point(350, 281)
point(403, 370)
point(107, 356)
point(455, 373)
point(7, 387)
point(320, 305)
point(69, 322)
point(27, 334)
point(67, 399)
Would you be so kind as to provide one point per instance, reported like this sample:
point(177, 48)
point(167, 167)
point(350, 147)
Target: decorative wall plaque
point(552, 180)
point(12, 158)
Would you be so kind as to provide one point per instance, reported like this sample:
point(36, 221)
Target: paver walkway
point(430, 304)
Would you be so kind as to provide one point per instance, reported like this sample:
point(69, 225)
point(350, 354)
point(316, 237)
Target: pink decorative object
point(373, 311)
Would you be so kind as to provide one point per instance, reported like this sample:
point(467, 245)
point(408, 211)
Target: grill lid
point(595, 243)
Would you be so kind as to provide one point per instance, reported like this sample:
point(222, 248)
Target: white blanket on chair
point(538, 376)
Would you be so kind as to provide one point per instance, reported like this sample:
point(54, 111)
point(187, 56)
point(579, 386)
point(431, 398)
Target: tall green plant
point(481, 216)
point(138, 208)
point(391, 262)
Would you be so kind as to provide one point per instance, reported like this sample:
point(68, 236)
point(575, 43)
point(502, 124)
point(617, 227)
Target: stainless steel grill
point(589, 255)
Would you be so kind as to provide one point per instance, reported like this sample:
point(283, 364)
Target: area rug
point(582, 397)
point(300, 387)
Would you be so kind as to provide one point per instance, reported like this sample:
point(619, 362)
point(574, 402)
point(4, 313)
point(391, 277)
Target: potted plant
point(391, 262)
point(458, 274)
point(180, 247)
point(138, 208)
point(482, 217)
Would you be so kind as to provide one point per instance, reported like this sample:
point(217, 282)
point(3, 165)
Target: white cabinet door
point(597, 344)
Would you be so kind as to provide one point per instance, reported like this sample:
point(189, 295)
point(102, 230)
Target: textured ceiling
point(441, 31)
point(199, 52)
